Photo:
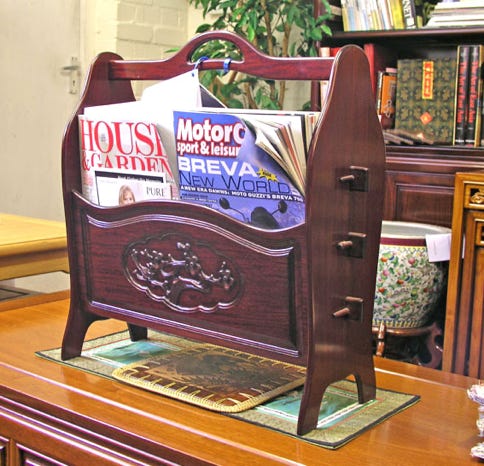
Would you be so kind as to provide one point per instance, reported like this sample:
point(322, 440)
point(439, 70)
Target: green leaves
point(277, 27)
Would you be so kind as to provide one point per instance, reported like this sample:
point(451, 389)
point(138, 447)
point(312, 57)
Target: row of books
point(457, 14)
point(468, 98)
point(250, 165)
point(440, 99)
point(378, 15)
point(428, 100)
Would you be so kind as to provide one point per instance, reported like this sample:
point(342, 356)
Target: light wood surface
point(463, 343)
point(440, 429)
point(31, 246)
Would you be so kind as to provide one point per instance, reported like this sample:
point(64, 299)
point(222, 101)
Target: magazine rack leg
point(343, 239)
point(137, 333)
point(75, 332)
point(76, 328)
point(316, 384)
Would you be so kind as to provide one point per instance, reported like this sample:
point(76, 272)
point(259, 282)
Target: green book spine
point(426, 97)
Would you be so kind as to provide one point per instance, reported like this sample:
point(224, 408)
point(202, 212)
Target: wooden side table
point(31, 246)
point(464, 325)
point(425, 339)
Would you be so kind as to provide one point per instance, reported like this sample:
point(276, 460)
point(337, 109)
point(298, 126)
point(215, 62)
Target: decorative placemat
point(216, 378)
point(341, 417)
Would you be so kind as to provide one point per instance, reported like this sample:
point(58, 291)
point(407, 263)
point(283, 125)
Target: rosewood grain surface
point(294, 294)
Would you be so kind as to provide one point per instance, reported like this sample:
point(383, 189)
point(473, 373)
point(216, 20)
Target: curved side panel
point(344, 211)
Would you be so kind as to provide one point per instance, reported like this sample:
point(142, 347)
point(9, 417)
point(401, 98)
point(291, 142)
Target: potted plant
point(277, 27)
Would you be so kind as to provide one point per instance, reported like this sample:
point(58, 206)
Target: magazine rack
point(302, 295)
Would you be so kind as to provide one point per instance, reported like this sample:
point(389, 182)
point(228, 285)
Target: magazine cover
point(136, 137)
point(220, 166)
point(121, 188)
point(119, 145)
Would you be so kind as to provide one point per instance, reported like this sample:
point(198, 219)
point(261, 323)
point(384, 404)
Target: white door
point(37, 39)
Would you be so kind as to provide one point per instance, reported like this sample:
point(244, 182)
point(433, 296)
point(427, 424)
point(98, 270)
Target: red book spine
point(473, 96)
point(461, 94)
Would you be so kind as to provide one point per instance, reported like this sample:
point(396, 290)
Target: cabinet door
point(419, 197)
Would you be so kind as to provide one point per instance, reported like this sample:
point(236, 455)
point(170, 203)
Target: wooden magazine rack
point(302, 295)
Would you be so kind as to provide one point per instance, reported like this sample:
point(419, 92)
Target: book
point(386, 97)
point(350, 12)
point(411, 16)
point(425, 97)
point(397, 14)
point(221, 166)
point(457, 14)
point(454, 22)
point(383, 6)
point(379, 57)
point(362, 15)
point(461, 99)
point(374, 15)
point(473, 121)
point(451, 5)
point(345, 15)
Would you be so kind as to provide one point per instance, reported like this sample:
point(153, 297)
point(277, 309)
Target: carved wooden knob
point(342, 312)
point(345, 244)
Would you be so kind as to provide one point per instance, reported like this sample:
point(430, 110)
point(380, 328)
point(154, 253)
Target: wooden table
point(31, 246)
point(51, 411)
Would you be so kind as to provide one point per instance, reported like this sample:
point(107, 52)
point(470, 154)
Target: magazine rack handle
point(253, 62)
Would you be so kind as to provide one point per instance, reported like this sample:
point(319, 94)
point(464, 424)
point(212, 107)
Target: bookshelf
point(419, 179)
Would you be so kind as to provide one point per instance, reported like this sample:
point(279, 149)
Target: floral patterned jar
point(407, 284)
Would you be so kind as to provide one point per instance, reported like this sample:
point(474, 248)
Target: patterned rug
point(247, 387)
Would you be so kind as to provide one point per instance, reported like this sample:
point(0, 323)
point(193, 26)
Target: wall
point(149, 29)
point(37, 42)
point(143, 29)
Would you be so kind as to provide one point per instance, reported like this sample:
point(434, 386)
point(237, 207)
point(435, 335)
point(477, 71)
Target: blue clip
point(227, 62)
point(198, 63)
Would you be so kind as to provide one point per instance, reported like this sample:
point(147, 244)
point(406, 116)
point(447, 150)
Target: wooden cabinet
point(39, 437)
point(419, 182)
point(464, 339)
point(53, 414)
